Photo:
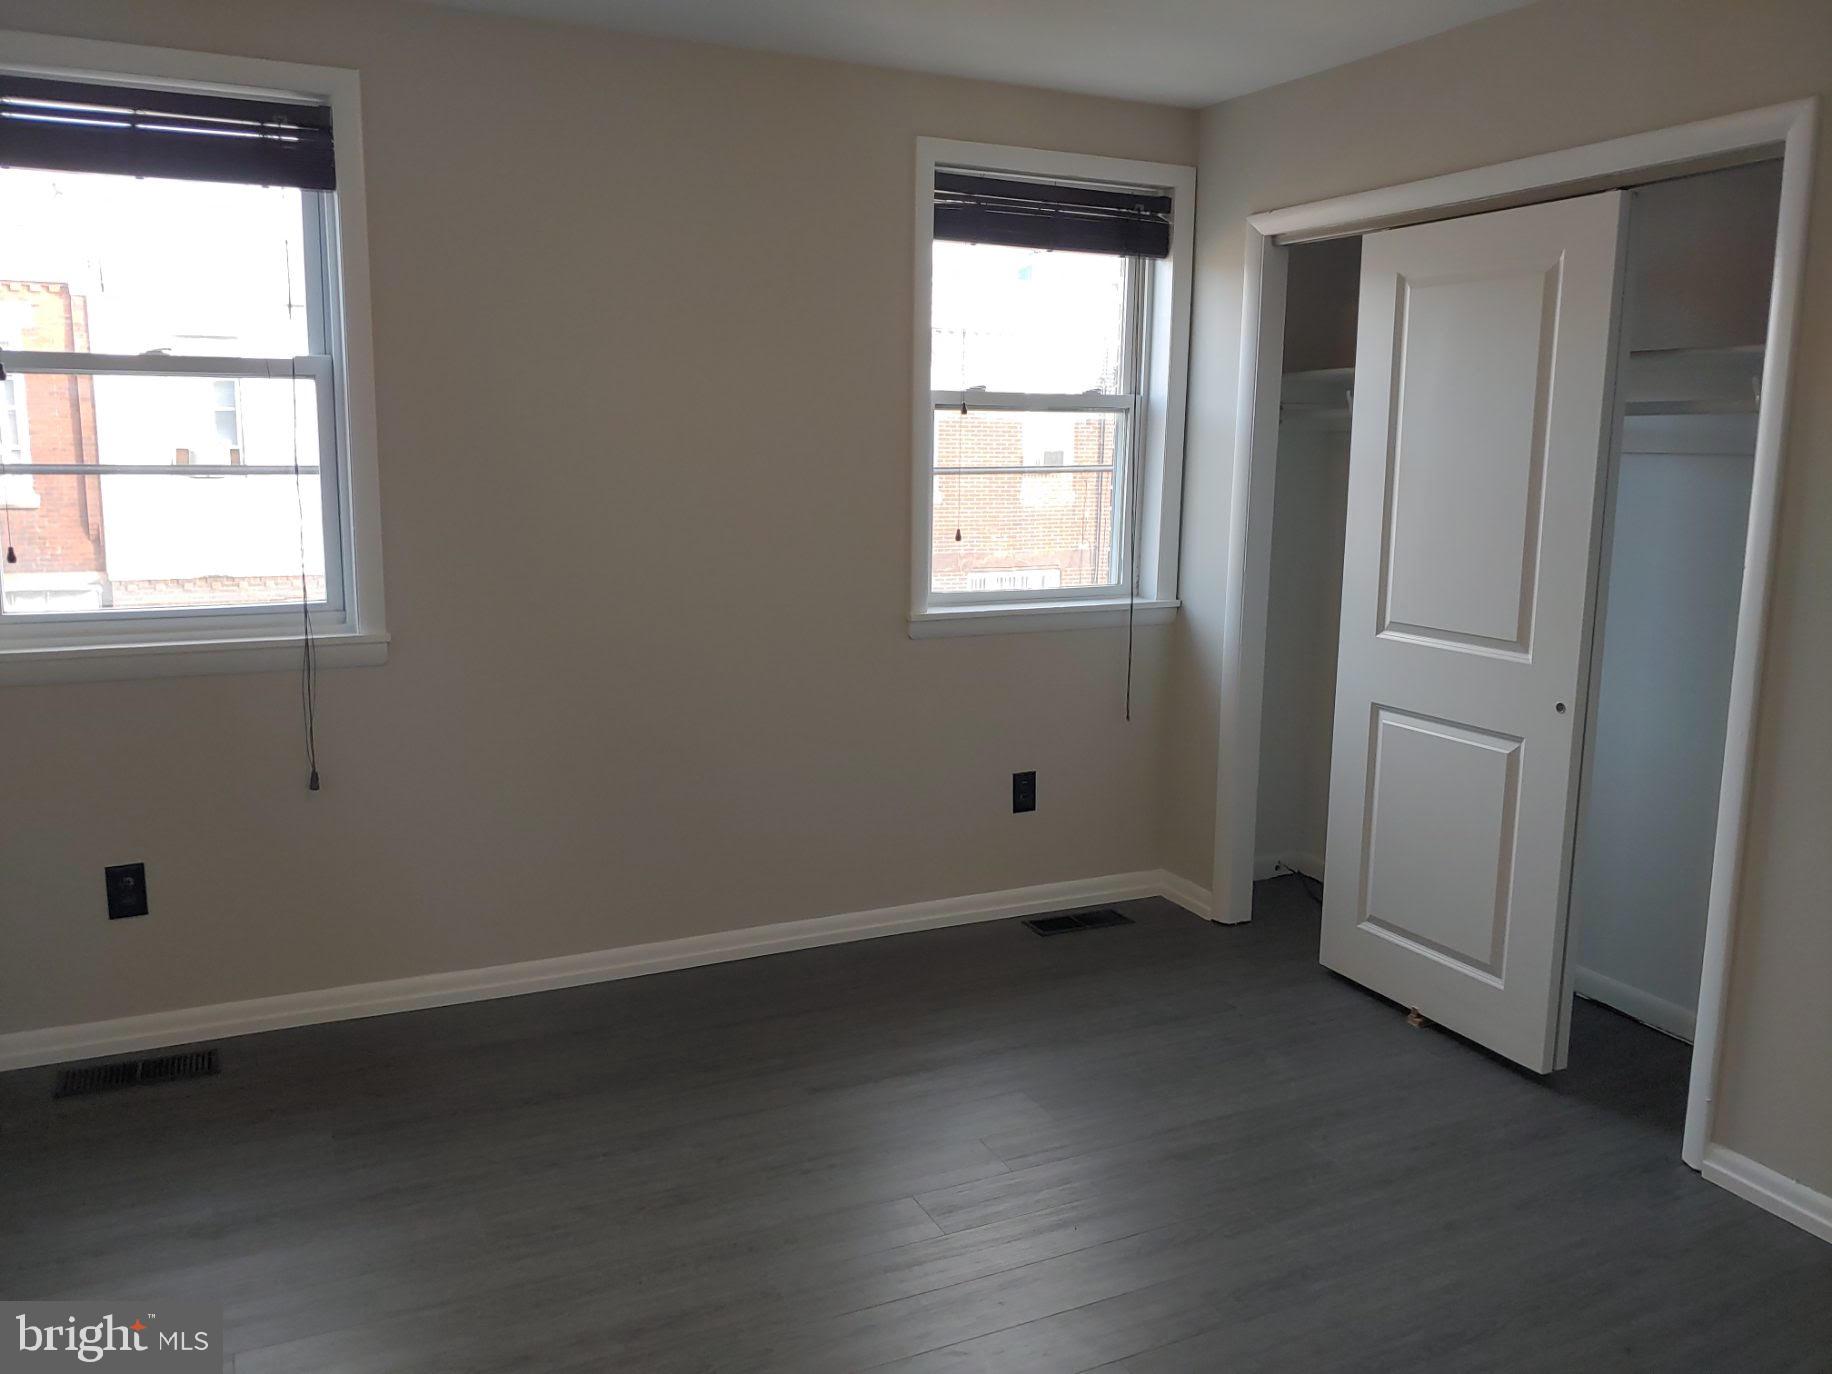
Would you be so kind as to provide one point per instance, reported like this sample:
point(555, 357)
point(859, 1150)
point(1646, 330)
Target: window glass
point(93, 263)
point(13, 446)
point(1022, 319)
point(1023, 531)
point(133, 541)
point(183, 533)
point(226, 399)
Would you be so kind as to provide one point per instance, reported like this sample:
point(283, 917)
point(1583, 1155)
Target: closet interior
point(1695, 310)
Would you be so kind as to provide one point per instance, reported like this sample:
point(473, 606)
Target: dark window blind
point(82, 126)
point(972, 208)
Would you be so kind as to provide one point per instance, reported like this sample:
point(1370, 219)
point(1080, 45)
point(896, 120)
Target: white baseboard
point(1787, 1198)
point(55, 1044)
point(1292, 861)
point(1677, 1021)
point(1185, 894)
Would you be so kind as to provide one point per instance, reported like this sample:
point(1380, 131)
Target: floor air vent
point(1081, 920)
point(128, 1073)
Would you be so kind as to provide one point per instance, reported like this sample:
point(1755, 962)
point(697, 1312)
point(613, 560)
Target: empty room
point(807, 686)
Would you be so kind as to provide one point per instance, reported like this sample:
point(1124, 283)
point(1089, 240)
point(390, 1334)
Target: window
point(16, 491)
point(226, 412)
point(173, 304)
point(1052, 319)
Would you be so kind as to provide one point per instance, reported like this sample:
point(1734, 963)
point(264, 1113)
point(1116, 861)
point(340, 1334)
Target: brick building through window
point(53, 525)
point(1018, 531)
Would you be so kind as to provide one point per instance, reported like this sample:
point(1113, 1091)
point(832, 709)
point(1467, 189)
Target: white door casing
point(1483, 410)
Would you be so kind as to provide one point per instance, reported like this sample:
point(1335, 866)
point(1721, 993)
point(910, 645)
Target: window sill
point(184, 658)
point(1024, 617)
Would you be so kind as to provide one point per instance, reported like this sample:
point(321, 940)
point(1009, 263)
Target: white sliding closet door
point(1483, 396)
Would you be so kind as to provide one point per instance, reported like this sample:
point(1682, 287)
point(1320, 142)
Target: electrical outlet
point(1023, 792)
point(126, 890)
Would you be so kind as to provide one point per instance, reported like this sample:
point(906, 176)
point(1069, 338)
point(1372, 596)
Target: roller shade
point(971, 208)
point(82, 126)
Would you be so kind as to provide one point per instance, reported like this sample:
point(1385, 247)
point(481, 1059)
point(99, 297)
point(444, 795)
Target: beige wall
point(1557, 74)
point(642, 329)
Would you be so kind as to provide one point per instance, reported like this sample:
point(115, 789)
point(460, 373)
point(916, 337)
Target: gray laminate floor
point(1165, 1147)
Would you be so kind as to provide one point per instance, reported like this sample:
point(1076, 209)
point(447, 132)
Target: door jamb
point(1731, 140)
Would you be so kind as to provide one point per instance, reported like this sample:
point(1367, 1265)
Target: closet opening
point(1304, 588)
point(1700, 261)
point(1676, 479)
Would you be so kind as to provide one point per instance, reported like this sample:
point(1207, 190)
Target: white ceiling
point(1182, 52)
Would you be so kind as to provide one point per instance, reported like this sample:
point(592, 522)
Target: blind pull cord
point(308, 654)
point(1132, 584)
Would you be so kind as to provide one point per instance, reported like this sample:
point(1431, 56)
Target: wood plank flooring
point(1170, 1146)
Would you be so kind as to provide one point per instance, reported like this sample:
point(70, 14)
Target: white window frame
point(1160, 293)
point(348, 629)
